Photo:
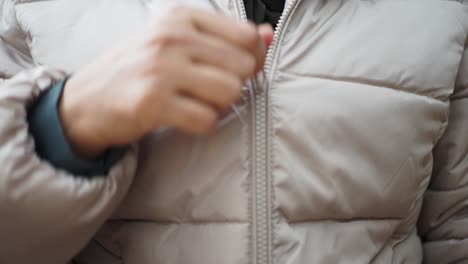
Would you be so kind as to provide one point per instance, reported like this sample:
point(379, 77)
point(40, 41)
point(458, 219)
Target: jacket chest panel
point(68, 34)
point(357, 104)
point(183, 178)
point(386, 43)
point(180, 178)
point(345, 150)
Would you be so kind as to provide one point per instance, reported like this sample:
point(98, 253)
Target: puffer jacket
point(353, 149)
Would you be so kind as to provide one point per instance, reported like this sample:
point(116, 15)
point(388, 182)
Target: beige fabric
point(14, 51)
point(444, 222)
point(359, 94)
point(47, 215)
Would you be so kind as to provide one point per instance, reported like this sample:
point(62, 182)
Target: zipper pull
point(260, 82)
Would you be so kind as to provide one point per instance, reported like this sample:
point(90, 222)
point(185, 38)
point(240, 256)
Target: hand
point(183, 72)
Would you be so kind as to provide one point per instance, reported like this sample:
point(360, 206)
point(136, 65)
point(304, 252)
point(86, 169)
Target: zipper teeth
point(274, 46)
point(262, 204)
point(242, 10)
point(278, 30)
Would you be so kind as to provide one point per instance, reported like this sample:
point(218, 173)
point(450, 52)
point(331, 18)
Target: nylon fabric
point(366, 149)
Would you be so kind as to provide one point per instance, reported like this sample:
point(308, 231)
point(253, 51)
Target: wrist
point(78, 117)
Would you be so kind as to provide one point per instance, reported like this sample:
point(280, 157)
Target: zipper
point(261, 191)
point(288, 10)
point(243, 13)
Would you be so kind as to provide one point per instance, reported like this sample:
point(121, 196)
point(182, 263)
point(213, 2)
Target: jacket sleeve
point(443, 224)
point(47, 215)
point(14, 51)
point(52, 144)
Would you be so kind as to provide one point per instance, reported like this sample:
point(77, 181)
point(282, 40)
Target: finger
point(266, 34)
point(241, 34)
point(210, 85)
point(191, 116)
point(218, 53)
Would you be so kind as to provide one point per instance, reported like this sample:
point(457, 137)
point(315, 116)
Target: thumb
point(266, 33)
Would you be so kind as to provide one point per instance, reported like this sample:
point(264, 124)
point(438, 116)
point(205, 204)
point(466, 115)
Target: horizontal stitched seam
point(365, 81)
point(188, 222)
point(445, 240)
point(311, 221)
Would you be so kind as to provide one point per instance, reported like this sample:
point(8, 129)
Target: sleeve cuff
point(52, 145)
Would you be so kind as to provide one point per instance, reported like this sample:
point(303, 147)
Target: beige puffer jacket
point(346, 145)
